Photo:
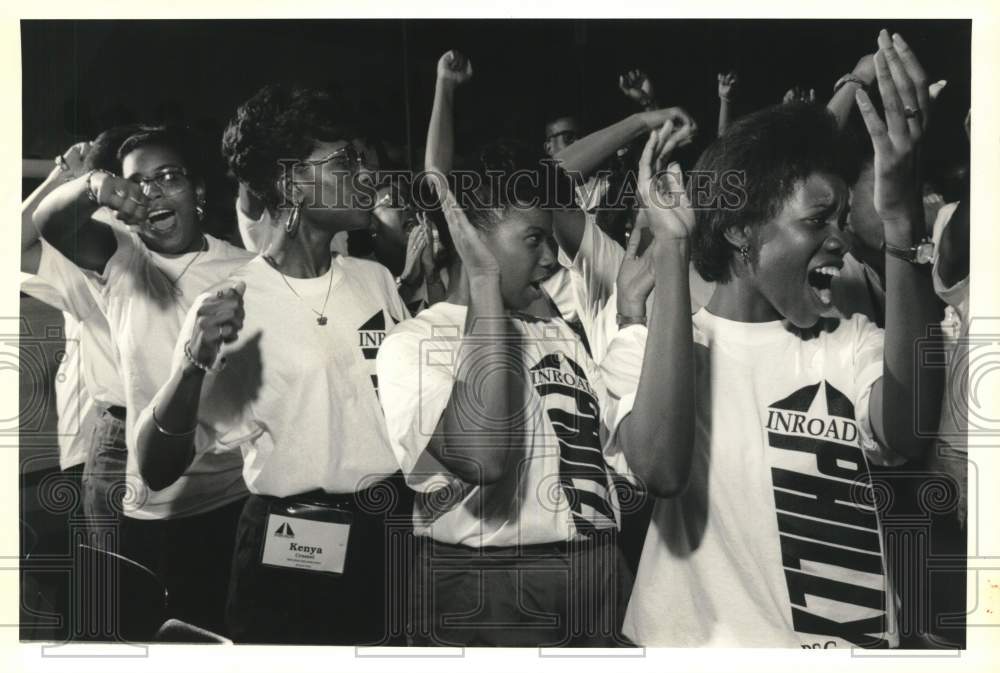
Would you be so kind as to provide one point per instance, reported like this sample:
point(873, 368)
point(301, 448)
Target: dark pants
point(269, 604)
point(561, 594)
point(104, 478)
point(192, 556)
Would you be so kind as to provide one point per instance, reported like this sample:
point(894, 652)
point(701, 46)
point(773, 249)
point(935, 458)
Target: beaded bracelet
point(91, 194)
point(849, 77)
point(168, 433)
point(205, 368)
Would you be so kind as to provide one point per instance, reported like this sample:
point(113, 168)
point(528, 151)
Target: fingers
point(915, 71)
point(893, 104)
point(632, 251)
point(124, 197)
point(935, 89)
point(904, 85)
point(876, 129)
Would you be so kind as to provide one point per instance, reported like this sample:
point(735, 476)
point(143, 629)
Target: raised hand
point(427, 255)
point(682, 122)
point(635, 275)
point(477, 259)
point(124, 197)
point(727, 84)
point(71, 162)
point(219, 320)
point(416, 245)
point(865, 68)
point(800, 94)
point(896, 140)
point(454, 67)
point(669, 212)
point(911, 81)
point(637, 86)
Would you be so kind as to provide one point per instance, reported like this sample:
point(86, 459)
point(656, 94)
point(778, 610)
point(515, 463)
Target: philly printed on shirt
point(574, 415)
point(371, 334)
point(828, 527)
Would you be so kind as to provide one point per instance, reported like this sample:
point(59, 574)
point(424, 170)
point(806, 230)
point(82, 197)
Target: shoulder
point(226, 250)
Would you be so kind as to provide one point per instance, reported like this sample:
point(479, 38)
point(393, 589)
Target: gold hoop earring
point(200, 210)
point(292, 225)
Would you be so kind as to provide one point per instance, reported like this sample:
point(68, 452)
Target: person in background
point(728, 87)
point(147, 275)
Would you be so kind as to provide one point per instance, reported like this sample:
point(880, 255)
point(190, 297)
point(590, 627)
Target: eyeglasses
point(168, 181)
point(347, 158)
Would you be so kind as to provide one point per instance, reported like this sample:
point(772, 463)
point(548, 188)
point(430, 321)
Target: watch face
point(925, 253)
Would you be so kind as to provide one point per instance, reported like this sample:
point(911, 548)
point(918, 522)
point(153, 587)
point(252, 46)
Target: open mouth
point(820, 279)
point(160, 220)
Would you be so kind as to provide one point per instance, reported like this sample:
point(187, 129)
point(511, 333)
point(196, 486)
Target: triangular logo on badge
point(284, 530)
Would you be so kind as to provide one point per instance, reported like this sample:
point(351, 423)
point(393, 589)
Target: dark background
point(80, 77)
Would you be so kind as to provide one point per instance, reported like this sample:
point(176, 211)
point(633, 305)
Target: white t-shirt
point(529, 505)
point(65, 286)
point(298, 398)
point(774, 542)
point(145, 314)
point(88, 372)
point(258, 235)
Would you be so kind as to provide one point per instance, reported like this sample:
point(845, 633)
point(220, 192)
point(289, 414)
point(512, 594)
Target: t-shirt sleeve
point(868, 348)
point(396, 306)
point(223, 425)
point(597, 262)
point(256, 234)
point(620, 371)
point(415, 374)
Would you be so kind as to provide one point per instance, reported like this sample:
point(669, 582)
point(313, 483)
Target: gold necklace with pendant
point(321, 314)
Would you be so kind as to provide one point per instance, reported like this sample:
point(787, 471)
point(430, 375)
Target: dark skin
point(318, 189)
point(65, 216)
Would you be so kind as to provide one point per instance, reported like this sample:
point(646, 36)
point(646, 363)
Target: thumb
point(239, 287)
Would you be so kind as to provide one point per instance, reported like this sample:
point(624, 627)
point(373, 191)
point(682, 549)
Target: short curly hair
point(771, 151)
point(180, 139)
point(278, 123)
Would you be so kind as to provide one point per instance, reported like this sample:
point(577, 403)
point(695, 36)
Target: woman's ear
point(199, 194)
point(289, 191)
point(738, 236)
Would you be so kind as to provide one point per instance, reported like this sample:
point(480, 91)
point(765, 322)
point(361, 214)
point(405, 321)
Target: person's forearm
point(163, 458)
point(62, 216)
point(439, 154)
point(480, 425)
point(909, 403)
point(583, 157)
point(657, 437)
point(724, 115)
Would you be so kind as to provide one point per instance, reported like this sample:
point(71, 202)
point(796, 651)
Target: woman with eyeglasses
point(278, 363)
point(145, 278)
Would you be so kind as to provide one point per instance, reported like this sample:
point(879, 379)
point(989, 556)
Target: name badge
point(307, 538)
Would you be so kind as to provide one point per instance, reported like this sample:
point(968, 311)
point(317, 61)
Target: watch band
point(626, 320)
point(921, 253)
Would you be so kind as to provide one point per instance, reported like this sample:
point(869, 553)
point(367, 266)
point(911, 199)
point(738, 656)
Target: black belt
point(370, 501)
point(117, 412)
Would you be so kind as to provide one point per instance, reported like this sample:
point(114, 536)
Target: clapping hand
point(896, 140)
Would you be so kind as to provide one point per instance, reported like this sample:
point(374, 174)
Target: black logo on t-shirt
point(828, 527)
point(571, 405)
point(370, 337)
